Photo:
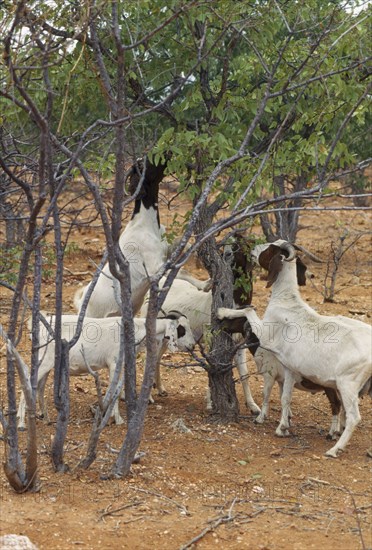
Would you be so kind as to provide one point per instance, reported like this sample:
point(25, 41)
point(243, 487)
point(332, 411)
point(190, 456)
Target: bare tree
point(346, 241)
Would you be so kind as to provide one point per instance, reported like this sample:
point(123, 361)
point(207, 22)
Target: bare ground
point(236, 486)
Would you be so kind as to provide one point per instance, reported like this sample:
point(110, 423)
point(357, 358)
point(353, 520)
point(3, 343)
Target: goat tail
point(78, 298)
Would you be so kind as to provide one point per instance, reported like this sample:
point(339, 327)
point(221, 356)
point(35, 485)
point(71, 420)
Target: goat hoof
point(163, 393)
point(21, 428)
point(332, 453)
point(332, 437)
point(259, 419)
point(282, 433)
point(369, 453)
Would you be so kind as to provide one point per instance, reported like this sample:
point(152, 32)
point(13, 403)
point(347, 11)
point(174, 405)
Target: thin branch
point(283, 17)
point(322, 176)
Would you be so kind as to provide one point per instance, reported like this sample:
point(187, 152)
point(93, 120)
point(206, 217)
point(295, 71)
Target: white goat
point(98, 348)
point(273, 371)
point(144, 245)
point(330, 351)
point(141, 242)
point(196, 306)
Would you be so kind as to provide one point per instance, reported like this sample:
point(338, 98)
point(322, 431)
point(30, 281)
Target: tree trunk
point(13, 467)
point(223, 395)
point(221, 353)
point(136, 423)
point(62, 404)
point(284, 225)
point(61, 369)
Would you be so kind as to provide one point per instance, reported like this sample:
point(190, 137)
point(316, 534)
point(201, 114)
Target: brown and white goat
point(330, 351)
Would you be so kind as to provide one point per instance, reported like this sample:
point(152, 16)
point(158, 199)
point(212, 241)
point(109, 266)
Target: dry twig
point(159, 495)
point(214, 523)
point(108, 512)
point(359, 526)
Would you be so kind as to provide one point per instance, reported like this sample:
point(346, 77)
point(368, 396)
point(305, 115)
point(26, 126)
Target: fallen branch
point(359, 526)
point(205, 531)
point(77, 273)
point(316, 480)
point(318, 409)
point(214, 523)
point(159, 495)
point(108, 512)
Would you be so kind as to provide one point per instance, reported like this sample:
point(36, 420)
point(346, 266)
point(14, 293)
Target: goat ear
point(267, 255)
point(181, 331)
point(301, 272)
point(275, 267)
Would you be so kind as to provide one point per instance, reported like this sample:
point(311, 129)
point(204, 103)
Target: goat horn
point(309, 254)
point(290, 249)
point(177, 314)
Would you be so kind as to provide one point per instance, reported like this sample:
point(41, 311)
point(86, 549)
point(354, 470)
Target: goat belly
point(308, 385)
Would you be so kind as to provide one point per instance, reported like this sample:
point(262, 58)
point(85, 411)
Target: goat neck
point(146, 218)
point(285, 285)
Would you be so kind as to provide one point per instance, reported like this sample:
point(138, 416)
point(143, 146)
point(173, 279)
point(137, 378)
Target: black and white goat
point(329, 351)
point(196, 306)
point(142, 243)
point(98, 347)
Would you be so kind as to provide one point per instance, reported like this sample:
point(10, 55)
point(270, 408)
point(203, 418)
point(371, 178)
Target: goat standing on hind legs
point(141, 242)
point(329, 351)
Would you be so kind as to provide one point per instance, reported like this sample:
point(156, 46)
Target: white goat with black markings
point(142, 243)
point(268, 365)
point(329, 351)
point(98, 347)
point(272, 370)
point(196, 306)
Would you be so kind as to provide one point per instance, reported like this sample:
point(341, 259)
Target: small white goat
point(196, 306)
point(98, 348)
point(330, 351)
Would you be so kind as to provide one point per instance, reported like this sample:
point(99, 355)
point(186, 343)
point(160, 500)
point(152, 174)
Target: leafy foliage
point(221, 57)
